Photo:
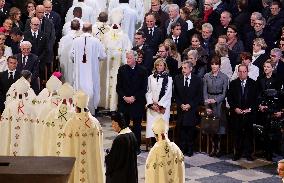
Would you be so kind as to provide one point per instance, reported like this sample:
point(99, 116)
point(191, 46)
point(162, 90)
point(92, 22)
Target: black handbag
point(209, 124)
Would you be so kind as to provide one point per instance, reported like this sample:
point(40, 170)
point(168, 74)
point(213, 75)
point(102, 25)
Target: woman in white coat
point(159, 95)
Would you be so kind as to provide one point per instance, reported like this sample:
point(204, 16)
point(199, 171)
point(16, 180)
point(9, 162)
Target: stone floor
point(200, 168)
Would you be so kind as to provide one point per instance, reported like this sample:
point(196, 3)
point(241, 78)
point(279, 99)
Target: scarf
point(207, 13)
point(163, 75)
point(231, 43)
point(255, 55)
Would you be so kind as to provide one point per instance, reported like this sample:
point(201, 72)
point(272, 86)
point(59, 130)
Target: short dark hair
point(119, 118)
point(123, 1)
point(12, 57)
point(141, 33)
point(103, 17)
point(245, 56)
point(174, 25)
point(16, 31)
point(75, 24)
point(26, 74)
point(215, 61)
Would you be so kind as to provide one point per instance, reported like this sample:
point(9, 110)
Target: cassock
point(121, 162)
point(55, 122)
point(84, 140)
point(66, 64)
point(153, 95)
point(87, 71)
point(165, 162)
point(116, 43)
point(67, 26)
point(88, 13)
point(17, 124)
point(129, 21)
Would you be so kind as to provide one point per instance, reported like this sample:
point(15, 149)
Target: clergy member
point(165, 162)
point(121, 161)
point(84, 140)
point(86, 52)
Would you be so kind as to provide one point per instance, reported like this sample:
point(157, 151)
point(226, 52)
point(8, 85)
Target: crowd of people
point(147, 58)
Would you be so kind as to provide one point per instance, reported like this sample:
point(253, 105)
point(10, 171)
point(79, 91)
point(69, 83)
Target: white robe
point(53, 127)
point(152, 95)
point(137, 5)
point(116, 43)
point(17, 129)
point(84, 140)
point(88, 13)
point(129, 21)
point(87, 75)
point(165, 163)
point(99, 29)
point(67, 26)
point(66, 64)
point(95, 4)
point(8, 51)
point(3, 64)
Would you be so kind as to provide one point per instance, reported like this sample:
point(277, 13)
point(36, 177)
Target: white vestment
point(152, 95)
point(8, 51)
point(3, 63)
point(116, 43)
point(88, 13)
point(84, 140)
point(99, 29)
point(253, 72)
point(87, 75)
point(17, 129)
point(67, 26)
point(129, 21)
point(66, 64)
point(52, 131)
point(95, 4)
point(165, 163)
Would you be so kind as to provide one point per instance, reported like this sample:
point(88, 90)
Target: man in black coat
point(7, 78)
point(132, 80)
point(242, 98)
point(30, 62)
point(4, 12)
point(174, 17)
point(17, 36)
point(178, 38)
point(188, 95)
point(39, 43)
point(147, 51)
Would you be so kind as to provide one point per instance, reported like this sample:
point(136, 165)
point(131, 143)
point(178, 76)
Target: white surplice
point(84, 140)
point(129, 21)
point(87, 75)
point(152, 95)
point(8, 51)
point(116, 43)
point(88, 13)
point(67, 26)
point(165, 163)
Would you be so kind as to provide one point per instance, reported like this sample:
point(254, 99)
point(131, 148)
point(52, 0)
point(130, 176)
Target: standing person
point(121, 160)
point(131, 88)
point(7, 78)
point(215, 84)
point(242, 96)
point(188, 94)
point(159, 95)
point(84, 140)
point(280, 169)
point(166, 155)
point(86, 52)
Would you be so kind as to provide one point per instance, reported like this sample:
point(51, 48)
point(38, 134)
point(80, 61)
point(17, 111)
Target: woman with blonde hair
point(159, 95)
point(15, 16)
point(173, 50)
point(222, 52)
point(258, 55)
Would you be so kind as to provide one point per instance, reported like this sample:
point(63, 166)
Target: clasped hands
point(240, 111)
point(185, 107)
point(129, 100)
point(157, 108)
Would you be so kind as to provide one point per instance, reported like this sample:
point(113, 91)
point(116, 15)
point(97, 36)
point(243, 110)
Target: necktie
point(10, 76)
point(176, 40)
point(34, 35)
point(24, 61)
point(243, 87)
point(47, 15)
point(186, 82)
point(150, 31)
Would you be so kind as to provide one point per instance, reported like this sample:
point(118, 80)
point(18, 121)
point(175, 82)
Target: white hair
point(26, 43)
point(174, 6)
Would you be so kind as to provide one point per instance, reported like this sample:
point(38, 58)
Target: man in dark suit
point(4, 12)
point(188, 95)
point(39, 47)
point(275, 56)
point(54, 17)
point(17, 36)
point(147, 62)
point(179, 39)
point(242, 95)
point(174, 17)
point(30, 62)
point(154, 35)
point(7, 78)
point(131, 88)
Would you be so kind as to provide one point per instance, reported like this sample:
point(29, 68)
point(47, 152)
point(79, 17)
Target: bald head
point(35, 22)
point(87, 27)
point(40, 11)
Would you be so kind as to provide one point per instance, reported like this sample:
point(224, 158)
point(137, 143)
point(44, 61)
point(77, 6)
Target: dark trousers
point(186, 138)
point(136, 128)
point(243, 134)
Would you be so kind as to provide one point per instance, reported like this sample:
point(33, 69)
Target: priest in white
point(65, 44)
point(159, 95)
point(77, 15)
point(116, 43)
point(130, 18)
point(88, 13)
point(17, 124)
point(84, 141)
point(165, 162)
point(55, 122)
point(86, 53)
point(101, 27)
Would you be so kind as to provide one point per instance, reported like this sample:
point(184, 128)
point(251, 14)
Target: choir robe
point(129, 21)
point(152, 95)
point(84, 140)
point(96, 5)
point(88, 13)
point(17, 129)
point(121, 162)
point(53, 127)
point(165, 163)
point(99, 29)
point(116, 43)
point(87, 75)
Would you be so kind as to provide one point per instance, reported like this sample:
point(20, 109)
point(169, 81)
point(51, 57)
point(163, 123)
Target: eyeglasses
point(161, 51)
point(272, 55)
point(35, 24)
point(258, 24)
